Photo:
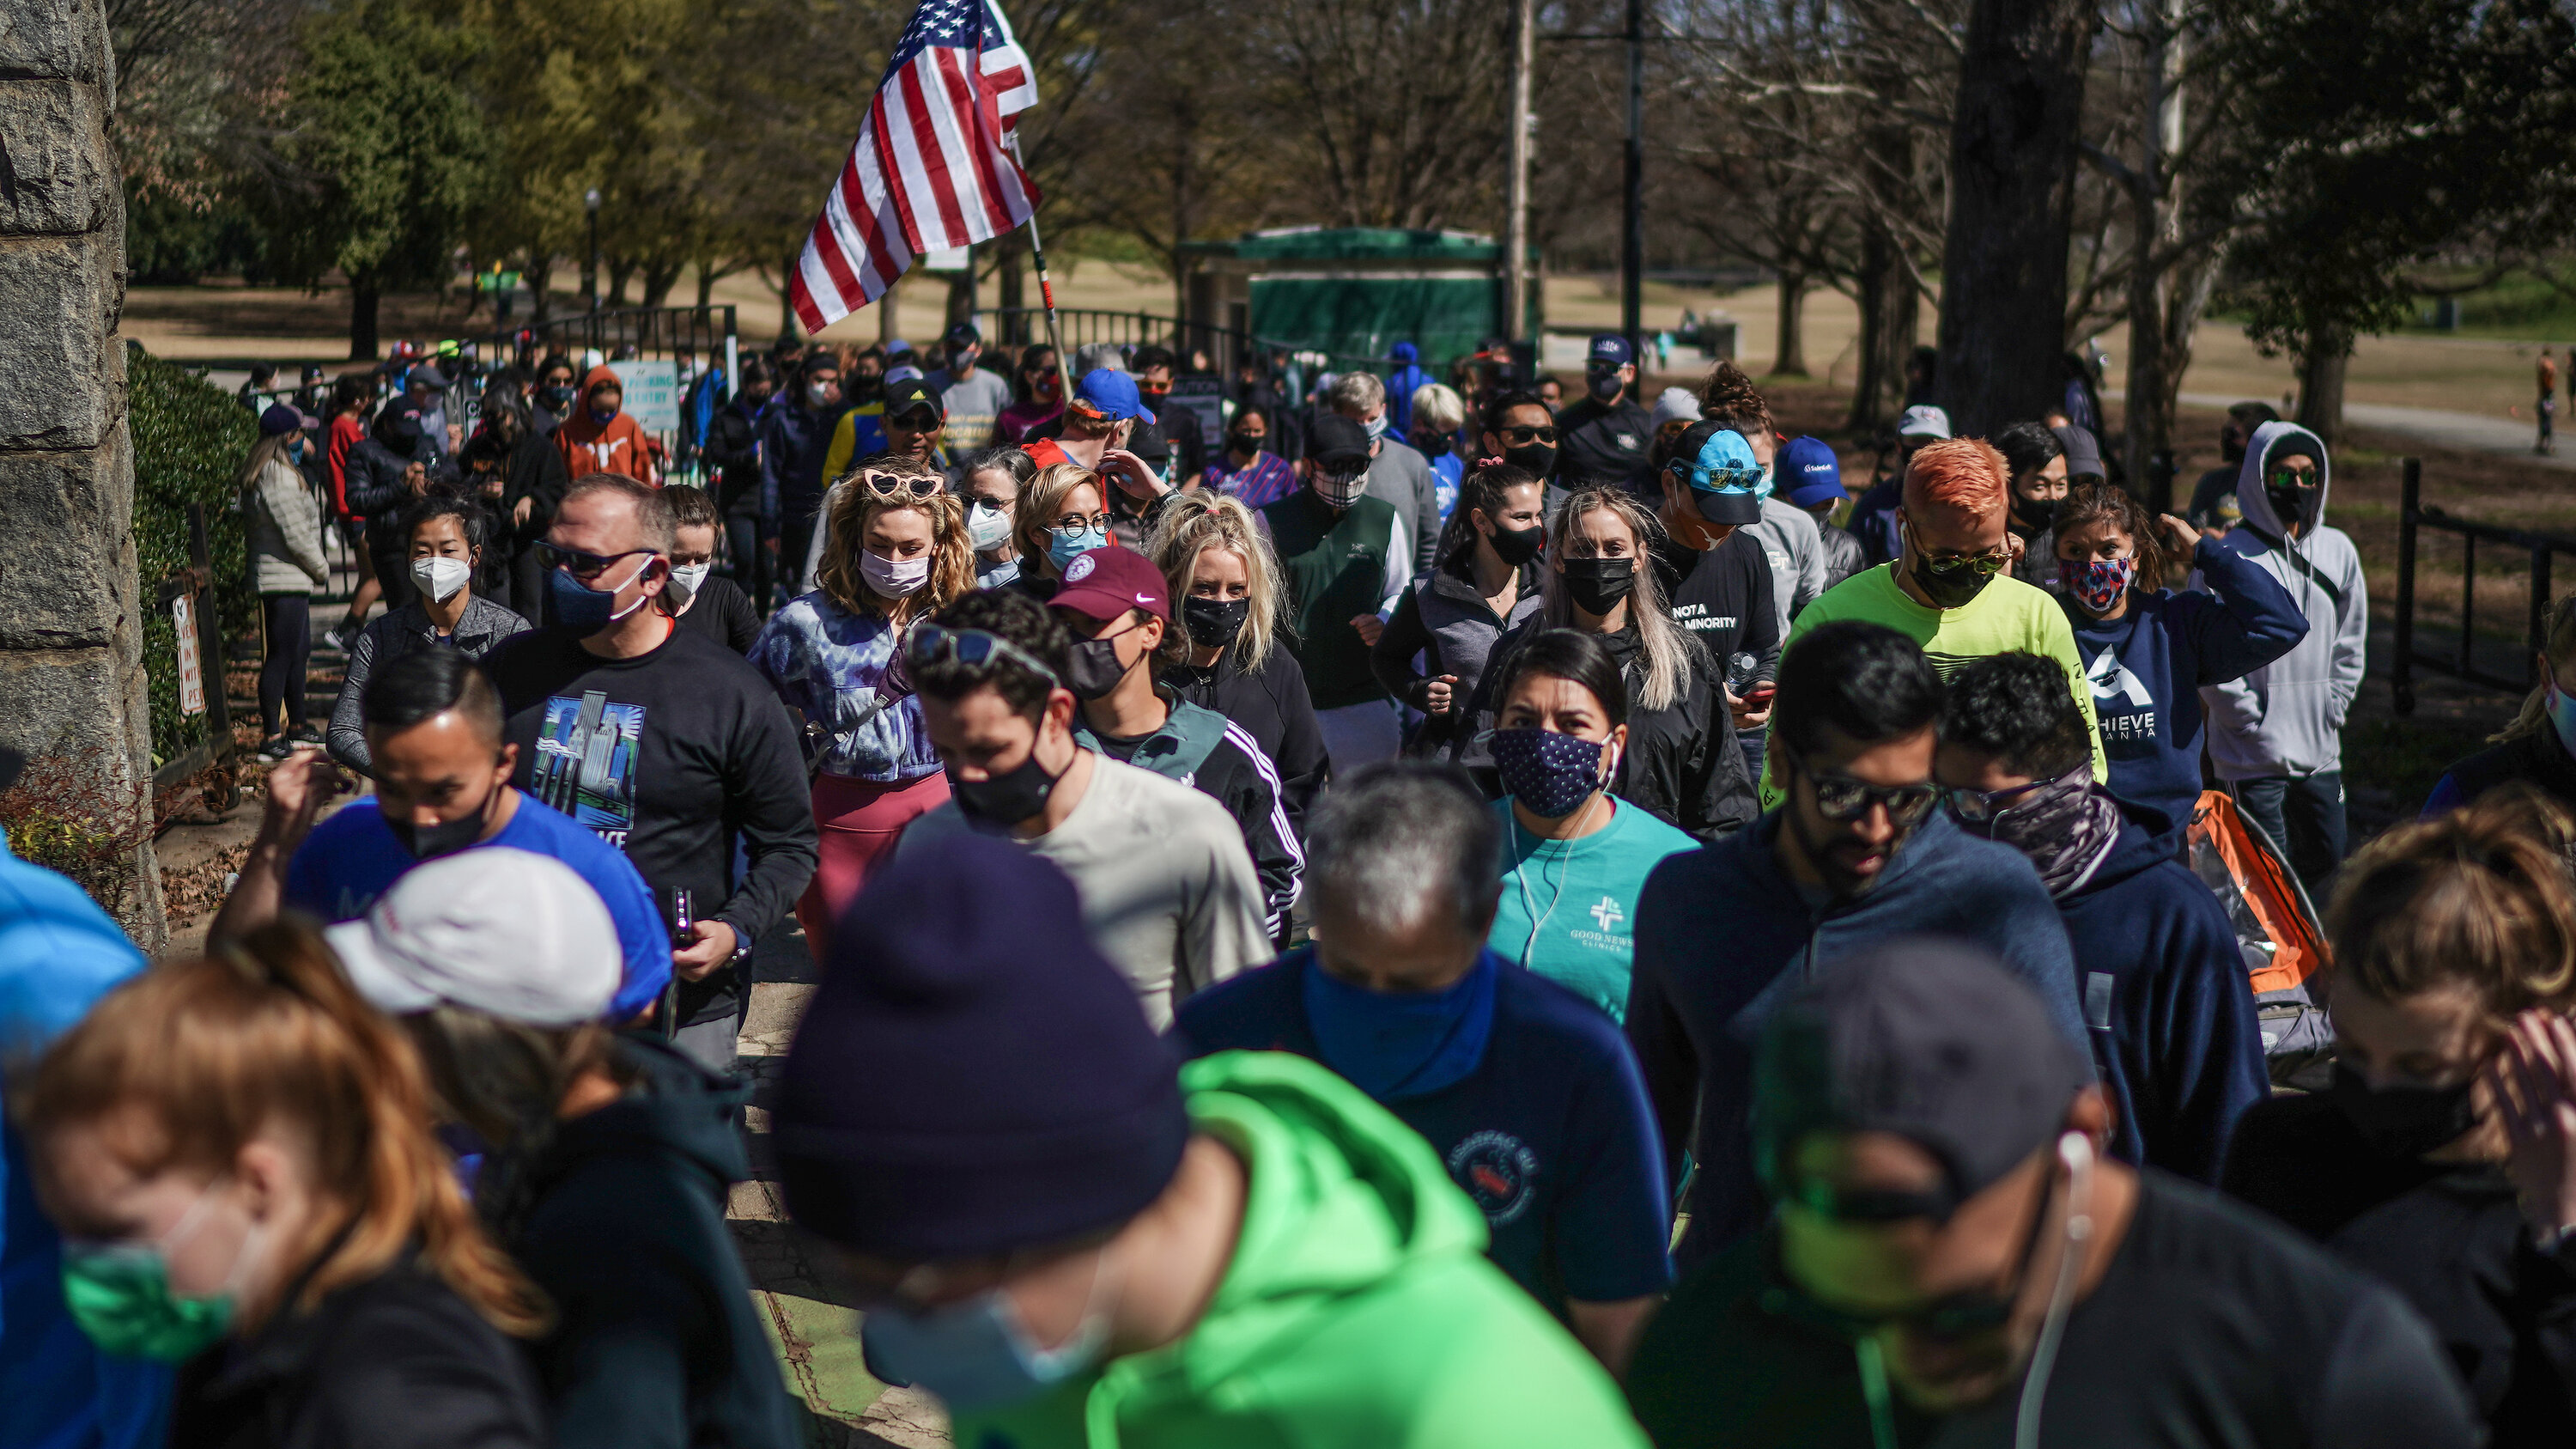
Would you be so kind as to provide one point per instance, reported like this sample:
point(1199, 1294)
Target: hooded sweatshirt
point(617, 446)
point(2167, 1001)
point(2286, 718)
point(2147, 667)
point(1723, 934)
point(1358, 1312)
point(620, 1218)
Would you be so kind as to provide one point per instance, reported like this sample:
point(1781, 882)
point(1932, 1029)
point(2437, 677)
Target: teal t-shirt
point(1569, 907)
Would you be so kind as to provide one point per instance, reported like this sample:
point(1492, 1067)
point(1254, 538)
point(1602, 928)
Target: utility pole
point(1516, 283)
point(1632, 233)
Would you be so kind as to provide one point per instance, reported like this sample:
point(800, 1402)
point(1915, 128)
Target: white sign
point(192, 674)
point(944, 259)
point(1204, 395)
point(652, 392)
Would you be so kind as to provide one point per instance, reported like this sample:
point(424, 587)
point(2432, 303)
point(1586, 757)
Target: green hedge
point(189, 441)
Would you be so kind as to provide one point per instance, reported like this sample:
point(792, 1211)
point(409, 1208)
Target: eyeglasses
point(585, 566)
point(1843, 799)
point(899, 485)
point(1523, 437)
point(1961, 1315)
point(1986, 808)
point(930, 643)
point(1076, 523)
point(1984, 565)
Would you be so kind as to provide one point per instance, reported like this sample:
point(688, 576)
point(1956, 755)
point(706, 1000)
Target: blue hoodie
point(2168, 1001)
point(2147, 668)
point(1723, 934)
point(59, 953)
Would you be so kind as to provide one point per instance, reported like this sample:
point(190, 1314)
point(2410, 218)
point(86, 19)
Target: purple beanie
point(974, 1077)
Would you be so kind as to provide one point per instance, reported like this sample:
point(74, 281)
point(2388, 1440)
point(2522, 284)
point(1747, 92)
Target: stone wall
point(71, 669)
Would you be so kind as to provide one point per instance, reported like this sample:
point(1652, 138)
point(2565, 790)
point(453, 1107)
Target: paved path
point(2466, 432)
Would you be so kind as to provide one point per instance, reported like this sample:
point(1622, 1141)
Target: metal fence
point(2414, 518)
point(1227, 348)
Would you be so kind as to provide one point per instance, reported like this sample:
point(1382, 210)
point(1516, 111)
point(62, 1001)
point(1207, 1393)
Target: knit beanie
point(973, 1077)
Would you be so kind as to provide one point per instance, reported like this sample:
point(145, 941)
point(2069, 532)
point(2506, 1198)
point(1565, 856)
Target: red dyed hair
point(1962, 473)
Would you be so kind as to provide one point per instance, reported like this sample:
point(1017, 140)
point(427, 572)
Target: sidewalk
point(2466, 432)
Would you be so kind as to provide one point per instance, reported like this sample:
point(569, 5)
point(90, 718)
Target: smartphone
point(1761, 693)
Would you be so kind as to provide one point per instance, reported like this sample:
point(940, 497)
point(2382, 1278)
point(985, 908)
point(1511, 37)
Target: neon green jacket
point(1359, 1311)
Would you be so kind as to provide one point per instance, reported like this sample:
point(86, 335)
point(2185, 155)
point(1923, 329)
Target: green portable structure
point(1354, 292)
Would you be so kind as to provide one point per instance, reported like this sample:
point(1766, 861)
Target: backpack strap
point(2299, 562)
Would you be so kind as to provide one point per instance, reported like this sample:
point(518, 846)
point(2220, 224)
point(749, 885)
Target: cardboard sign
point(192, 674)
point(652, 392)
point(1203, 393)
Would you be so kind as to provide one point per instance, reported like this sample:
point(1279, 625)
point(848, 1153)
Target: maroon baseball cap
point(1106, 582)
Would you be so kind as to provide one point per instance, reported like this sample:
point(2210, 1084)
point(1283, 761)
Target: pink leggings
point(858, 822)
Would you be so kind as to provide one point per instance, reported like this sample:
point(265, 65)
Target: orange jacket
point(619, 446)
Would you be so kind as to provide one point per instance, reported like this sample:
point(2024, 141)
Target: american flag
point(933, 167)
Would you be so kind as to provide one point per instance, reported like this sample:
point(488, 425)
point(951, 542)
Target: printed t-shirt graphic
point(2122, 702)
point(586, 752)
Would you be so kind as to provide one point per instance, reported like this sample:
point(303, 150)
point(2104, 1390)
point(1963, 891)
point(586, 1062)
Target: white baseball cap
point(508, 932)
point(1923, 421)
point(1676, 405)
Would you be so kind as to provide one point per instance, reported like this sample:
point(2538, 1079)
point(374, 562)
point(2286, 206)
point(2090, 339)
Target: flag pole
point(1037, 253)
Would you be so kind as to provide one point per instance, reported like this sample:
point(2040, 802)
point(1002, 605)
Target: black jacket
point(620, 1217)
point(396, 1362)
point(1610, 445)
point(1199, 747)
point(377, 490)
point(732, 454)
point(1273, 707)
point(2537, 758)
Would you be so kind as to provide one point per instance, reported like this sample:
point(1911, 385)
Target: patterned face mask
point(2096, 584)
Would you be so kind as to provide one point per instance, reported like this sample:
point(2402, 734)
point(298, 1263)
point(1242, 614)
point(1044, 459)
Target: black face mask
point(865, 387)
point(2290, 505)
point(995, 805)
point(1536, 459)
point(1517, 546)
point(1246, 443)
point(1596, 585)
point(1606, 386)
point(2038, 515)
point(1091, 668)
point(2404, 1121)
point(428, 842)
point(1950, 585)
point(1214, 623)
point(555, 399)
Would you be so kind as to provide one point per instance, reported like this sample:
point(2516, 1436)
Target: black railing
point(2413, 517)
point(1227, 348)
point(649, 331)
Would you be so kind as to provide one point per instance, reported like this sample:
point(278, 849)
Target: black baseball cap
point(964, 334)
point(1929, 1039)
point(1337, 442)
point(912, 393)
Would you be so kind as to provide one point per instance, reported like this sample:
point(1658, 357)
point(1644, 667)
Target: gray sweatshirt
point(2286, 718)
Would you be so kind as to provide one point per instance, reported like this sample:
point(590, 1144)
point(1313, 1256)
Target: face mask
point(1596, 585)
point(1551, 773)
point(2060, 828)
point(1536, 459)
point(1049, 389)
point(1091, 668)
point(1517, 546)
point(894, 578)
point(1214, 623)
point(1762, 488)
point(1246, 443)
point(120, 1295)
point(685, 581)
point(1606, 385)
point(976, 1354)
point(1393, 1045)
point(819, 394)
point(440, 578)
point(1376, 427)
point(603, 416)
point(2039, 515)
point(2096, 584)
point(1004, 800)
point(2290, 503)
point(428, 842)
point(1064, 545)
point(2404, 1121)
point(1340, 493)
point(295, 447)
point(583, 607)
point(1951, 585)
point(555, 399)
point(2562, 717)
point(987, 526)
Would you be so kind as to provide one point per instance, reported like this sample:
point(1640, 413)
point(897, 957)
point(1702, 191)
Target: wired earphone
point(1600, 796)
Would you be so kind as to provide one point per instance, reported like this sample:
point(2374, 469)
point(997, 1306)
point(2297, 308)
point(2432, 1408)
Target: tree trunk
point(619, 270)
point(961, 293)
point(786, 297)
point(660, 276)
point(2321, 369)
point(1789, 353)
point(1012, 282)
point(540, 276)
point(1872, 388)
point(2150, 406)
point(2012, 174)
point(364, 295)
point(887, 329)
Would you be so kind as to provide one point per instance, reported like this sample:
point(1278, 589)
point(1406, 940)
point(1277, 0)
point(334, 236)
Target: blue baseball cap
point(1110, 393)
point(1725, 479)
point(1812, 472)
point(1611, 348)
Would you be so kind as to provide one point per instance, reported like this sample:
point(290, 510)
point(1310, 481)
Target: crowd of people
point(1442, 915)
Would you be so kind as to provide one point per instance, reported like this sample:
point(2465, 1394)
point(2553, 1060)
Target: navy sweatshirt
point(2148, 665)
point(1723, 934)
point(2168, 1002)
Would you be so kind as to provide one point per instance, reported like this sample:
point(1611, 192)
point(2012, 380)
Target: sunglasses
point(1842, 799)
point(1986, 808)
point(1961, 1315)
point(585, 566)
point(1523, 437)
point(1984, 565)
point(899, 485)
point(931, 644)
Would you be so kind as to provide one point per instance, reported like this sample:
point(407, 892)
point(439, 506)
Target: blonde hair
point(1668, 652)
point(1194, 522)
point(270, 447)
point(215, 1050)
point(2558, 647)
point(853, 507)
point(1039, 501)
point(2480, 897)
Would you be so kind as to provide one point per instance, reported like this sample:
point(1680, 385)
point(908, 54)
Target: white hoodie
point(2286, 718)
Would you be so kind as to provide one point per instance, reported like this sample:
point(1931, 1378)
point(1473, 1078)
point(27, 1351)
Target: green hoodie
point(1359, 1309)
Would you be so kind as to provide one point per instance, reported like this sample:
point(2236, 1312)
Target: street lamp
point(590, 273)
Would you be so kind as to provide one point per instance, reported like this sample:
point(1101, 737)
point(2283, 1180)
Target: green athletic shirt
point(1581, 895)
point(2006, 614)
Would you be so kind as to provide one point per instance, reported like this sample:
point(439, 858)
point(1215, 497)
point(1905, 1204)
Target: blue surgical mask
point(1376, 427)
point(1394, 1045)
point(586, 608)
point(1763, 488)
point(976, 1354)
point(1064, 545)
point(2562, 717)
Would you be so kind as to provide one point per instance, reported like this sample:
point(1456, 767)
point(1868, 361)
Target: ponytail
point(215, 1049)
point(2479, 898)
point(1482, 489)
